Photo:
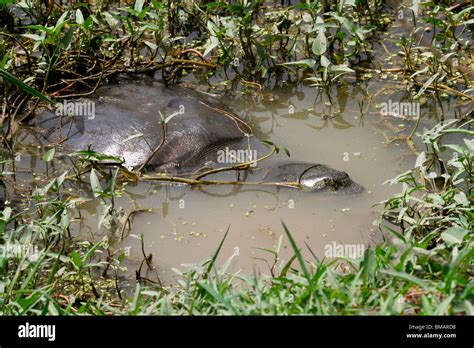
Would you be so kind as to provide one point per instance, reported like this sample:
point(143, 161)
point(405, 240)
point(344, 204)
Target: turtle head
point(320, 177)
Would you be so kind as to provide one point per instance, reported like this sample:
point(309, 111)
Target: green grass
point(425, 267)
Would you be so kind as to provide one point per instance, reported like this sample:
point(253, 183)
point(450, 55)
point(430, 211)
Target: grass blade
point(297, 253)
point(214, 257)
point(20, 84)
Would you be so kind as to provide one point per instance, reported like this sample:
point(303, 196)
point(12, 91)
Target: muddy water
point(184, 225)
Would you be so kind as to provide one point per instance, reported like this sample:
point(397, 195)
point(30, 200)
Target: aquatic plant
point(425, 266)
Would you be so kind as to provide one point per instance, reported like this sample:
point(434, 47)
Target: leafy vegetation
point(247, 41)
point(425, 266)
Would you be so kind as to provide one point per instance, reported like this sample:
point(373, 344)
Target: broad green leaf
point(79, 17)
point(304, 63)
point(76, 259)
point(453, 235)
point(320, 44)
point(213, 43)
point(88, 22)
point(111, 20)
point(49, 155)
point(420, 160)
point(139, 5)
point(67, 39)
point(95, 183)
point(455, 147)
point(61, 22)
point(325, 62)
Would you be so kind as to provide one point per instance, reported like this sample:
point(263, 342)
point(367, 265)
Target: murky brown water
point(185, 225)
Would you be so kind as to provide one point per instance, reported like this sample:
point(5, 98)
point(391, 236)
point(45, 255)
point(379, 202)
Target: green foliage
point(20, 84)
point(426, 268)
